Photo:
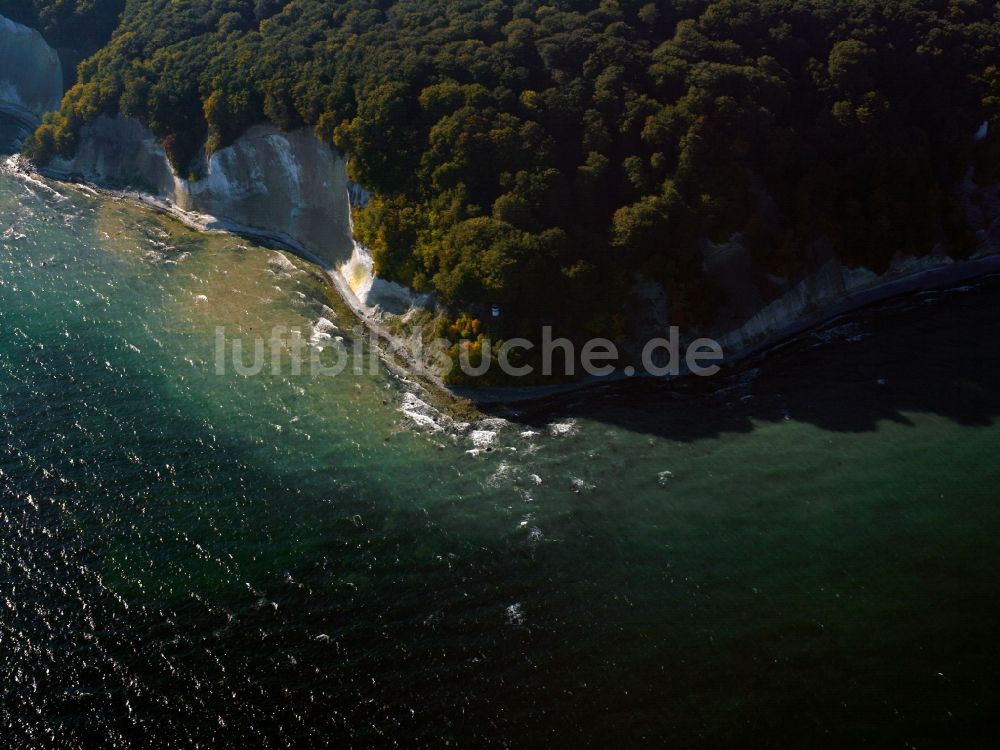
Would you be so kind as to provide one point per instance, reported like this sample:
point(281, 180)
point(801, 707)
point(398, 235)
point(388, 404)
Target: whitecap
point(482, 438)
point(281, 262)
point(420, 413)
point(504, 475)
point(515, 614)
point(322, 331)
point(563, 429)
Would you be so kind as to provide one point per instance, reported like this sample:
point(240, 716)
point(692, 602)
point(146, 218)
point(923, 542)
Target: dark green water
point(189, 559)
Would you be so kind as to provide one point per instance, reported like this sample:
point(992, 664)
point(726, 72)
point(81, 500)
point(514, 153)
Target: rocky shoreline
point(395, 351)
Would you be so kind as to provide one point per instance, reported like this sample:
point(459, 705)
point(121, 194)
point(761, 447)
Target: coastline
point(393, 350)
point(943, 276)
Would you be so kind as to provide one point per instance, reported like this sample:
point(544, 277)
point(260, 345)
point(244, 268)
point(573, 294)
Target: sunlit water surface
point(801, 552)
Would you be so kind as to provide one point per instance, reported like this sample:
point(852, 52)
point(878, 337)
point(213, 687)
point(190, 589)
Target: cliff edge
point(293, 188)
point(31, 79)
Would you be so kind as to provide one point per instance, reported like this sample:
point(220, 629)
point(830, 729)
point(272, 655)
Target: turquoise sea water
point(802, 552)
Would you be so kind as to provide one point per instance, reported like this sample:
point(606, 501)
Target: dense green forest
point(538, 155)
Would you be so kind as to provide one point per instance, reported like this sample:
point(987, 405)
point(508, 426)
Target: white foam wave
point(280, 262)
point(420, 413)
point(322, 331)
point(563, 429)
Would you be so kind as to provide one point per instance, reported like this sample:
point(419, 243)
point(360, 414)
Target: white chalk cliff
point(288, 186)
point(31, 81)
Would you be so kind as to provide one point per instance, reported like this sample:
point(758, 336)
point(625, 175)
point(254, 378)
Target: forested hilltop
point(537, 155)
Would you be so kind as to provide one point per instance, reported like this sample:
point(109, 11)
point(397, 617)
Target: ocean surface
point(800, 552)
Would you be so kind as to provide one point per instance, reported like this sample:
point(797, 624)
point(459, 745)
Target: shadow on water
point(932, 352)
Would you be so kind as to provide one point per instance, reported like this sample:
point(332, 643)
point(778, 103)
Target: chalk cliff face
point(760, 308)
point(815, 296)
point(120, 153)
point(30, 73)
point(285, 184)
